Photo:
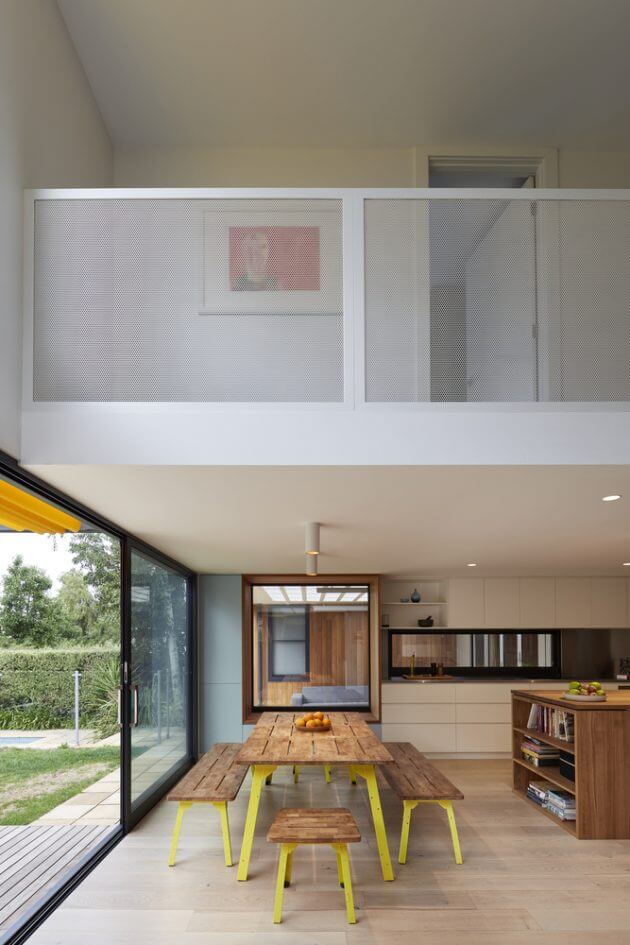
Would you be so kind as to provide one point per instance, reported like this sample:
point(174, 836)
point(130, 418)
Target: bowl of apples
point(585, 692)
point(313, 722)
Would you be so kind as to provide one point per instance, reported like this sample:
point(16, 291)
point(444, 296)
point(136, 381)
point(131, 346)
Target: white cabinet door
point(501, 602)
point(466, 603)
point(537, 602)
point(608, 602)
point(573, 602)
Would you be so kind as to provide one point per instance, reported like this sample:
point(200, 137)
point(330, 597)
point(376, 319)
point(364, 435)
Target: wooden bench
point(216, 779)
point(416, 781)
point(293, 827)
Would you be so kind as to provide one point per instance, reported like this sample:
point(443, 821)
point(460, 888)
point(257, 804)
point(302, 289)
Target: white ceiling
point(353, 73)
point(403, 521)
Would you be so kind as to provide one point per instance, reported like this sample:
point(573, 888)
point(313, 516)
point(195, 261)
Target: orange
point(300, 723)
point(312, 724)
point(318, 715)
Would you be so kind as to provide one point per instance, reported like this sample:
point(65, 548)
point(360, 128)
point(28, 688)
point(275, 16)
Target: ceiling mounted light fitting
point(311, 538)
point(311, 565)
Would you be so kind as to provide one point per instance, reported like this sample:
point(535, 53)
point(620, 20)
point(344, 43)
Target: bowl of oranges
point(313, 722)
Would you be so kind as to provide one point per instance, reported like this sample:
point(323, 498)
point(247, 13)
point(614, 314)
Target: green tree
point(97, 556)
point(28, 615)
point(76, 608)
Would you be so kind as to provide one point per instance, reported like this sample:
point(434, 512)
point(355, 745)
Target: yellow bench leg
point(450, 813)
point(296, 774)
point(352, 775)
point(339, 867)
point(288, 870)
point(343, 862)
point(408, 806)
point(221, 806)
point(327, 774)
point(183, 806)
point(368, 772)
point(259, 774)
point(286, 849)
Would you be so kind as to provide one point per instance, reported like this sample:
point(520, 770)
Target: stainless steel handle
point(119, 707)
point(136, 706)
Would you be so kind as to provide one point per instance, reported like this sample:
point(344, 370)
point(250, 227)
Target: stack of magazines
point(537, 792)
point(560, 803)
point(539, 754)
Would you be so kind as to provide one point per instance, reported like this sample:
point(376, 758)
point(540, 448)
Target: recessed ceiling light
point(610, 498)
point(471, 564)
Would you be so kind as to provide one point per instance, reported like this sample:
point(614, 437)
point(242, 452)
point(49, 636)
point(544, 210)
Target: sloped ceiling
point(355, 73)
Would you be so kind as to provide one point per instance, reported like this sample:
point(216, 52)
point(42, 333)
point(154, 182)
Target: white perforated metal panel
point(494, 300)
point(188, 300)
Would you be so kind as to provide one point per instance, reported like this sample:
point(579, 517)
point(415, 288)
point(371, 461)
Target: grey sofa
point(331, 697)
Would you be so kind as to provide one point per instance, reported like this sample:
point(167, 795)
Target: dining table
point(350, 743)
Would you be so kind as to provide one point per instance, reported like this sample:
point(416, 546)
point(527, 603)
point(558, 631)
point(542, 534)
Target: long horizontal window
point(471, 653)
point(310, 646)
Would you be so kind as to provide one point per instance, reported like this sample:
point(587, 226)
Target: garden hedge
point(37, 685)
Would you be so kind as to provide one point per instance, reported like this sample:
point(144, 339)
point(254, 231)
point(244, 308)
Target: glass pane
point(311, 646)
point(159, 659)
point(466, 651)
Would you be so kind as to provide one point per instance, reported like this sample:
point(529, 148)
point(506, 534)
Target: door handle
point(136, 706)
point(119, 706)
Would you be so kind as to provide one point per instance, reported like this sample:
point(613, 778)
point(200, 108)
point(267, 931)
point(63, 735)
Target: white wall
point(51, 135)
point(327, 167)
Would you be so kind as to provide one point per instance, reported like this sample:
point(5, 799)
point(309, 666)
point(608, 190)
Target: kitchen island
point(600, 753)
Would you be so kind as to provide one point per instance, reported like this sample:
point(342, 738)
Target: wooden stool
point(335, 826)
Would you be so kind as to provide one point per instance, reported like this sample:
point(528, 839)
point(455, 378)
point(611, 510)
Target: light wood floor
point(524, 881)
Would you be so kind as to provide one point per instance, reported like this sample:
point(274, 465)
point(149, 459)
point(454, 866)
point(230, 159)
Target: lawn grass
point(34, 780)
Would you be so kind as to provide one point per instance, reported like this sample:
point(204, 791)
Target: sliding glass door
point(159, 692)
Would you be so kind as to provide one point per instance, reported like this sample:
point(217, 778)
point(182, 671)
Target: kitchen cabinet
point(466, 603)
point(573, 602)
point(608, 602)
point(501, 597)
point(537, 603)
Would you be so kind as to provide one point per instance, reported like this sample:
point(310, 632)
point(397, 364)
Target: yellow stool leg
point(221, 806)
point(342, 853)
point(368, 772)
point(450, 813)
point(183, 806)
point(259, 773)
point(286, 849)
point(296, 774)
point(352, 775)
point(339, 867)
point(327, 773)
point(288, 870)
point(408, 806)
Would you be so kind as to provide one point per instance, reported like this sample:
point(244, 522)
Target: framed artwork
point(276, 265)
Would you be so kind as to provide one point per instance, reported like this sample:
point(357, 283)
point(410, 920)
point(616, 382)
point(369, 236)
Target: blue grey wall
point(220, 683)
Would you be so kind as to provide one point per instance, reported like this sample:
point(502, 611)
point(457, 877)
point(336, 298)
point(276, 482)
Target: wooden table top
point(615, 700)
point(276, 741)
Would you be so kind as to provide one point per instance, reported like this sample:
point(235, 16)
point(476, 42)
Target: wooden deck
point(36, 857)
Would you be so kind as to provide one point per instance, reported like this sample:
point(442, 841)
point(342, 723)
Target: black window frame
point(271, 643)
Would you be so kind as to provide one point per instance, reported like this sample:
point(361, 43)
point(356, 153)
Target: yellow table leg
point(342, 856)
point(183, 806)
point(450, 813)
point(368, 772)
point(296, 774)
point(352, 775)
point(286, 851)
point(339, 867)
point(327, 773)
point(288, 869)
point(408, 806)
point(259, 773)
point(222, 807)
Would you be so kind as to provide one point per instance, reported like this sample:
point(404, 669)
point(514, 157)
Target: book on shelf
point(549, 720)
point(537, 791)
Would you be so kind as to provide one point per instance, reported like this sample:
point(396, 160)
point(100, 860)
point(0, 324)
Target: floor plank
point(508, 891)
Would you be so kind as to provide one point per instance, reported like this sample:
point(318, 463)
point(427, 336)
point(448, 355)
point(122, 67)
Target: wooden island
point(601, 753)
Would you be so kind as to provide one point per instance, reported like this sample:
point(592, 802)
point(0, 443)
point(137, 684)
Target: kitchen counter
point(396, 680)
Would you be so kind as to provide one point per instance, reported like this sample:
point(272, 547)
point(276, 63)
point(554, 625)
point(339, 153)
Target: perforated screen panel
point(497, 300)
point(188, 300)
